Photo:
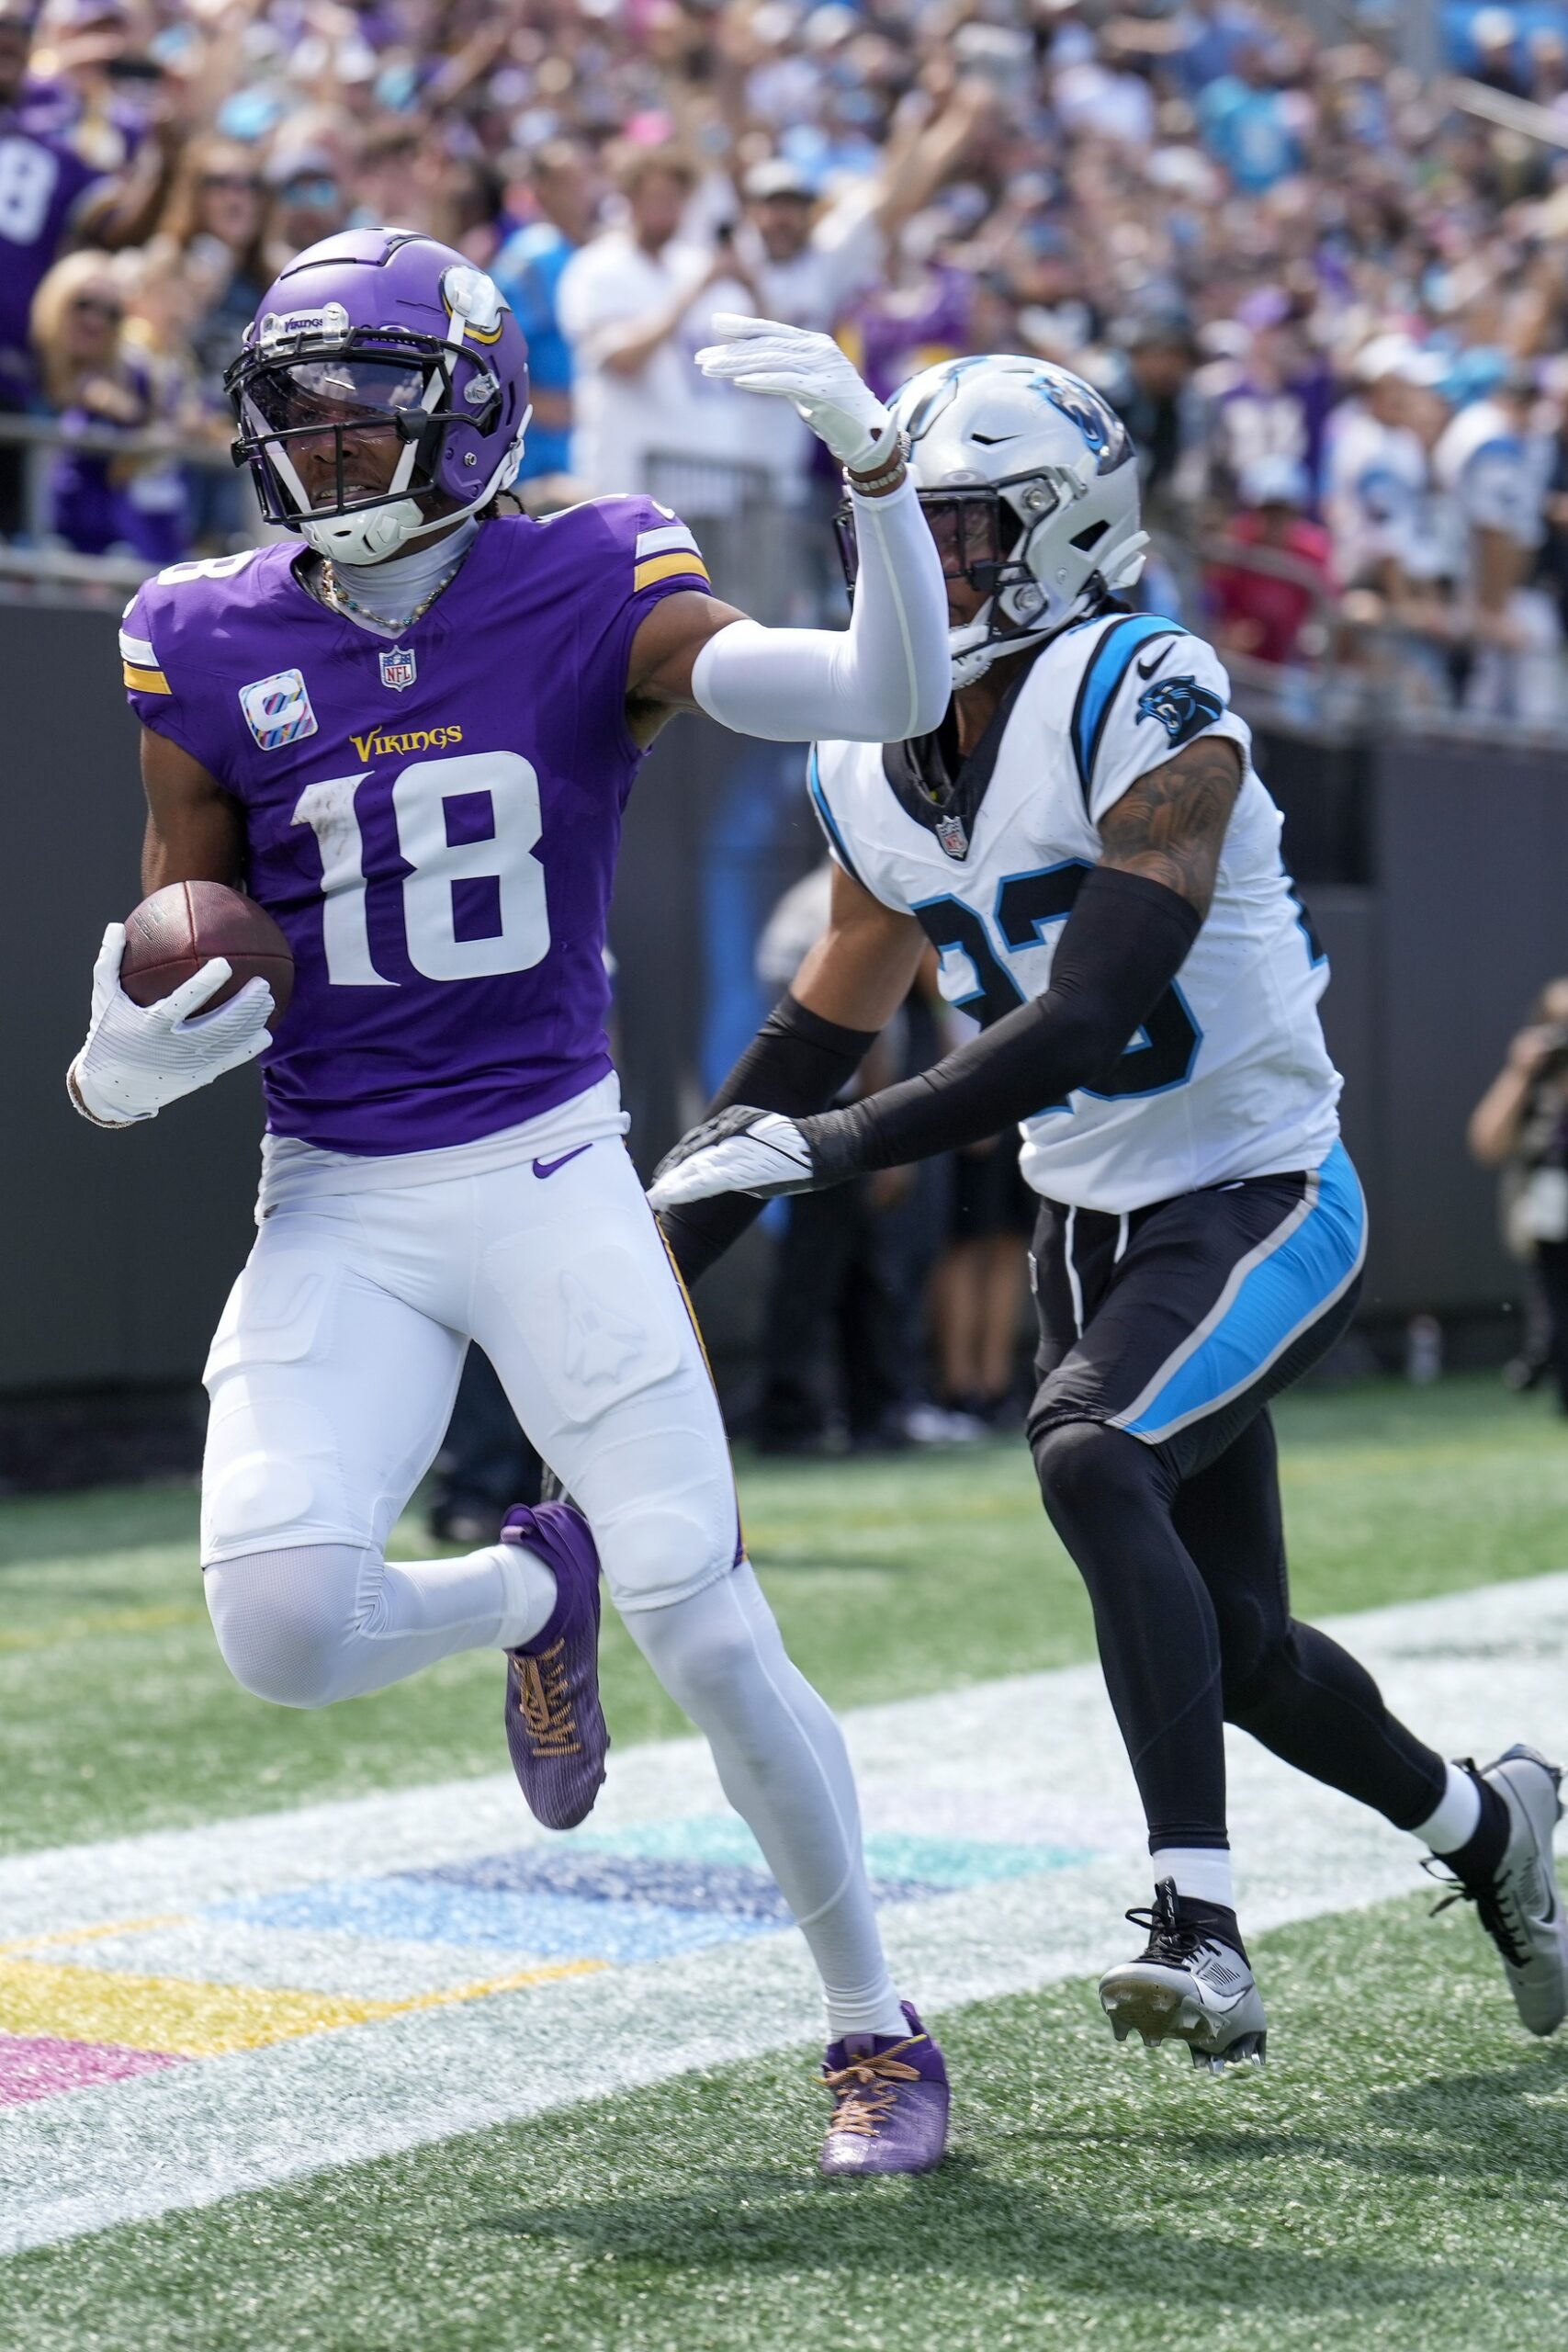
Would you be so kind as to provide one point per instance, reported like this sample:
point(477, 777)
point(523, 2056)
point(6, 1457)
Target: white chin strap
point(973, 651)
point(368, 537)
point(376, 532)
point(972, 655)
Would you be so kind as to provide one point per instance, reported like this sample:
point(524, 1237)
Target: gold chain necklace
point(342, 603)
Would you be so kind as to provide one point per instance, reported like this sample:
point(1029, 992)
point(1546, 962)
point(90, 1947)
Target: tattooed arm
point(1170, 825)
point(1130, 932)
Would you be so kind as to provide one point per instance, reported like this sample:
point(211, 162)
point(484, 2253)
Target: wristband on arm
point(796, 1063)
point(1120, 948)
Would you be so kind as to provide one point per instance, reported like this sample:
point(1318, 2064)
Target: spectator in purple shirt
point(49, 200)
point(102, 503)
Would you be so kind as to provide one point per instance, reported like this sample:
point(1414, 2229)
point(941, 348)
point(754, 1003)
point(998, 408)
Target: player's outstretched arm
point(137, 1059)
point(1129, 935)
point(885, 678)
point(807, 1049)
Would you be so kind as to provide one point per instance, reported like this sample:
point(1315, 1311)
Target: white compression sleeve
point(885, 677)
point(782, 1765)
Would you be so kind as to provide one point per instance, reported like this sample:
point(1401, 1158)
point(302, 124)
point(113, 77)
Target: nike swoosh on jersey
point(1148, 669)
point(549, 1167)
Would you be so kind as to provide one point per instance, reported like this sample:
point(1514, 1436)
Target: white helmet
point(1028, 481)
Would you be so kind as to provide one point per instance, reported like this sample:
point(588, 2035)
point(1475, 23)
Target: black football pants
point(1177, 1532)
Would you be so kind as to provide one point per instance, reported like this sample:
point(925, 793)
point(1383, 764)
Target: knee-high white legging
point(306, 1627)
point(331, 1378)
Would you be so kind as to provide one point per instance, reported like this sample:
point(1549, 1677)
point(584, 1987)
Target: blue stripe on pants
point(1275, 1293)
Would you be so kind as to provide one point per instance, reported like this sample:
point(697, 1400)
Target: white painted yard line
point(1035, 1757)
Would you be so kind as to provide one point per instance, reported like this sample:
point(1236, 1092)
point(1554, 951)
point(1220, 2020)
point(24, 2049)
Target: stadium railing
point(34, 566)
point(773, 558)
point(1355, 676)
point(772, 554)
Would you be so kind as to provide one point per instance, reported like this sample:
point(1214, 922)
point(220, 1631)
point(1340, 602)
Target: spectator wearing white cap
point(1377, 474)
point(1496, 464)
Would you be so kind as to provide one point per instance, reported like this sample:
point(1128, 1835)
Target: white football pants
point(332, 1379)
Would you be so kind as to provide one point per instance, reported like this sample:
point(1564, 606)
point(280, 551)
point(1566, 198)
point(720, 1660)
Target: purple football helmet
point(381, 332)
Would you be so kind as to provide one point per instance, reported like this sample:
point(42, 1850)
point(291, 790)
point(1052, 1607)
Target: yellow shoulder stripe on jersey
point(147, 682)
point(669, 567)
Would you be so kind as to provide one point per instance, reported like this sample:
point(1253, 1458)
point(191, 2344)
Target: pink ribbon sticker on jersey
point(278, 709)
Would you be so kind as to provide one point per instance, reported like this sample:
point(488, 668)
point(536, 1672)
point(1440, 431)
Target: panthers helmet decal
point(1081, 405)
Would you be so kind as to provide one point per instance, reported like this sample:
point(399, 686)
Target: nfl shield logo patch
point(398, 667)
point(278, 709)
point(950, 832)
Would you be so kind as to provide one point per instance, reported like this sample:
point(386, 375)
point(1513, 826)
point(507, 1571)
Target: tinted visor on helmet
point(305, 395)
point(336, 431)
point(974, 529)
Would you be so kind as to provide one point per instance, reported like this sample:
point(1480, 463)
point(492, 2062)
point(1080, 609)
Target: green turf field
point(1396, 2178)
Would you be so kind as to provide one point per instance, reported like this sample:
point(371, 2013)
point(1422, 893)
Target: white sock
point(1457, 1814)
point(528, 1586)
point(326, 1621)
point(783, 1766)
point(1201, 1872)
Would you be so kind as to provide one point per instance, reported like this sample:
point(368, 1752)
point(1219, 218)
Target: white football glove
point(741, 1150)
point(792, 363)
point(138, 1057)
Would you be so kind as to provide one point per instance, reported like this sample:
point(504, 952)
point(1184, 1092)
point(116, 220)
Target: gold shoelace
point(545, 1704)
point(867, 2088)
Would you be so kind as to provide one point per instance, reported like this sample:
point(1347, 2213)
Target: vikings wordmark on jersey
point(1229, 1077)
point(441, 866)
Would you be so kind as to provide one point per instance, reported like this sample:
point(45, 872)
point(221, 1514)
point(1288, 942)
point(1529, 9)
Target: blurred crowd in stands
point(1329, 299)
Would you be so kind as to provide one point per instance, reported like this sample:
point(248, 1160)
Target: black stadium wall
point(1435, 874)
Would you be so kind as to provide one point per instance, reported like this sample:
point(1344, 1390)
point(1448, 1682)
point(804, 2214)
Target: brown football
point(173, 934)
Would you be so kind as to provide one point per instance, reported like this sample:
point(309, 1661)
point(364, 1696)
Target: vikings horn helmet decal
point(373, 334)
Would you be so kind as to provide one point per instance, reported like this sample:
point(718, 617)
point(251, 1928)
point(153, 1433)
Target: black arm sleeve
point(796, 1063)
point(1120, 950)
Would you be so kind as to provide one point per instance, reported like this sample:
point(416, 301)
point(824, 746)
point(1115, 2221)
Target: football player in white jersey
point(1086, 843)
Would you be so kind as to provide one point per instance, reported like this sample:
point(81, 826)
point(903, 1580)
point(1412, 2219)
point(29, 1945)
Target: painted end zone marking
point(40, 2066)
point(1021, 1849)
point(550, 1927)
point(721, 1889)
point(172, 2017)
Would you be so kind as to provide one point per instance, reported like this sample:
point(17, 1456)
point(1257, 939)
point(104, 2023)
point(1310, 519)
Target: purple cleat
point(890, 2102)
point(555, 1725)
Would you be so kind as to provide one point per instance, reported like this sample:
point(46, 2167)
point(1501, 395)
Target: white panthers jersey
point(1377, 495)
point(1499, 475)
point(1230, 1077)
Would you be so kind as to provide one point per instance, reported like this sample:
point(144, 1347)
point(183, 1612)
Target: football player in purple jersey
point(49, 200)
point(410, 729)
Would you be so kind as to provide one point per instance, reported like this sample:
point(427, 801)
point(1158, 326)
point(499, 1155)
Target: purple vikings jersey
point(434, 820)
point(42, 183)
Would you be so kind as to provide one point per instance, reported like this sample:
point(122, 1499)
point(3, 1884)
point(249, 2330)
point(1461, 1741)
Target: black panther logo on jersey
point(1182, 707)
point(1100, 426)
